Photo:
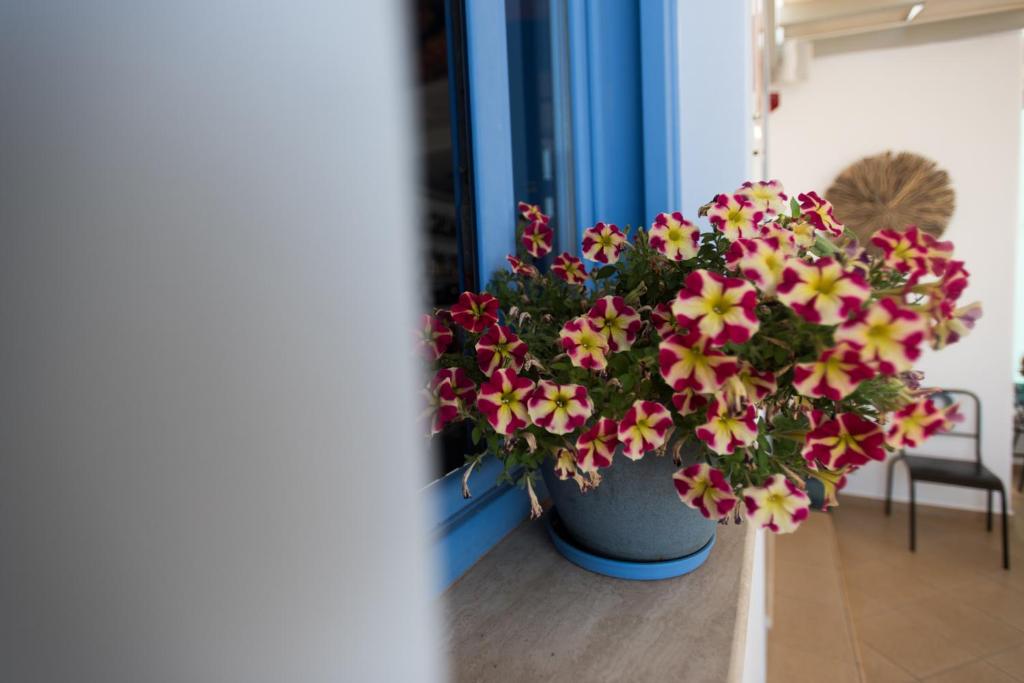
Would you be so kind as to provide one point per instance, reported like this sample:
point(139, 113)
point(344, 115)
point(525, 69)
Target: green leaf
point(794, 208)
point(603, 272)
point(476, 435)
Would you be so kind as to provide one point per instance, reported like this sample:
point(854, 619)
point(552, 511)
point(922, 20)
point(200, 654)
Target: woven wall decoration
point(892, 191)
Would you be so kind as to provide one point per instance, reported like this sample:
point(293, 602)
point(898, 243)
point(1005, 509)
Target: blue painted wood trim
point(491, 133)
point(715, 91)
point(660, 81)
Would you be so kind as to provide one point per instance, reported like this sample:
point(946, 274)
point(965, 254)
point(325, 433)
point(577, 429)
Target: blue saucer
point(621, 569)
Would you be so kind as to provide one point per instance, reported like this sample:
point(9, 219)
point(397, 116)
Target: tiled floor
point(948, 612)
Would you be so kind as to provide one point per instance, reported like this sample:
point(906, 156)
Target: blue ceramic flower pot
point(635, 514)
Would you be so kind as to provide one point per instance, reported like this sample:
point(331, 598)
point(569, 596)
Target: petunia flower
point(521, 268)
point(818, 213)
point(464, 387)
point(777, 505)
point(583, 341)
point(768, 196)
point(721, 308)
point(848, 439)
point(953, 282)
point(664, 321)
point(674, 236)
point(759, 260)
point(903, 251)
point(644, 428)
point(705, 489)
point(618, 322)
point(726, 429)
point(835, 375)
point(603, 243)
point(822, 292)
point(804, 234)
point(435, 337)
point(502, 400)
point(750, 385)
point(688, 402)
point(532, 213)
point(889, 335)
point(939, 253)
point(475, 312)
point(595, 448)
point(559, 408)
point(443, 406)
point(565, 464)
point(691, 363)
point(787, 238)
point(569, 268)
point(952, 326)
point(537, 238)
point(915, 422)
point(500, 347)
point(735, 216)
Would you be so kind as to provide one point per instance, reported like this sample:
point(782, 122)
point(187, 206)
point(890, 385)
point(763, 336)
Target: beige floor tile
point(878, 669)
point(1011, 662)
point(967, 626)
point(881, 585)
point(995, 599)
point(795, 581)
point(913, 643)
point(975, 672)
point(797, 665)
point(807, 626)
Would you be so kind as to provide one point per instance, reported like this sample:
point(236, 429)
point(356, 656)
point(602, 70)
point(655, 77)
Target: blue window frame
point(644, 125)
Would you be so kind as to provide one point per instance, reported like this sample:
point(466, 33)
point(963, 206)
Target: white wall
point(957, 103)
point(208, 462)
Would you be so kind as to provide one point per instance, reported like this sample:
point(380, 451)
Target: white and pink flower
point(644, 428)
point(499, 347)
point(584, 343)
point(618, 322)
point(538, 238)
point(705, 489)
point(846, 440)
point(735, 216)
point(889, 335)
point(822, 292)
point(768, 196)
point(835, 375)
point(674, 236)
point(569, 268)
point(559, 408)
point(721, 309)
point(603, 243)
point(595, 448)
point(818, 213)
point(691, 363)
point(475, 312)
point(435, 337)
point(502, 401)
point(777, 505)
point(727, 429)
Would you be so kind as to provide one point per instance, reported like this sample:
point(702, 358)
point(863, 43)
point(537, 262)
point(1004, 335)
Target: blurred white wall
point(959, 104)
point(208, 466)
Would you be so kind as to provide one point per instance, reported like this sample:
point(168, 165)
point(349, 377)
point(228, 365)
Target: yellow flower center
point(675, 235)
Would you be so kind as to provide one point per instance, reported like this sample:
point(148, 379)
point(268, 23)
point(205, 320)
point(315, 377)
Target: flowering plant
point(775, 342)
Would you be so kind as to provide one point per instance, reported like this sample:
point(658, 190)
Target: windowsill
point(524, 612)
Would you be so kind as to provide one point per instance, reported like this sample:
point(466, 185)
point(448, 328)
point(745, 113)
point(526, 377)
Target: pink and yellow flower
point(603, 243)
point(822, 292)
point(835, 375)
point(443, 405)
point(750, 385)
point(760, 260)
point(674, 236)
point(721, 308)
point(818, 213)
point(664, 321)
point(903, 251)
point(435, 337)
point(832, 482)
point(596, 447)
point(475, 312)
point(705, 489)
point(690, 363)
point(569, 268)
point(500, 347)
point(502, 400)
point(804, 234)
point(644, 428)
point(559, 408)
point(847, 440)
point(537, 238)
point(532, 213)
point(735, 216)
point(768, 196)
point(618, 322)
point(583, 341)
point(778, 505)
point(787, 238)
point(952, 326)
point(953, 283)
point(565, 464)
point(688, 402)
point(889, 335)
point(464, 387)
point(915, 422)
point(521, 268)
point(726, 429)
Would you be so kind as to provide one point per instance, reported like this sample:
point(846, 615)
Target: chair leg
point(1020, 482)
point(988, 509)
point(1006, 546)
point(888, 486)
point(913, 519)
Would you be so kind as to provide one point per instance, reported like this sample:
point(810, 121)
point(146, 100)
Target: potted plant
point(691, 377)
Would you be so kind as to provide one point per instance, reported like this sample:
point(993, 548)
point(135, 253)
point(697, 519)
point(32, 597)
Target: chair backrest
point(944, 398)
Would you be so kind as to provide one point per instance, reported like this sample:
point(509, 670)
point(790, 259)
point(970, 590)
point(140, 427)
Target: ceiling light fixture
point(915, 9)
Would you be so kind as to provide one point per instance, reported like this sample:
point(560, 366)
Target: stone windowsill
point(525, 613)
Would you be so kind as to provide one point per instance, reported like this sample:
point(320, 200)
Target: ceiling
point(816, 20)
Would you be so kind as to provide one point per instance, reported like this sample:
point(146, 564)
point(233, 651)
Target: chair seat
point(957, 472)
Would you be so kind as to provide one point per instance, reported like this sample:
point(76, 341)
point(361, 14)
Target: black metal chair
point(968, 473)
